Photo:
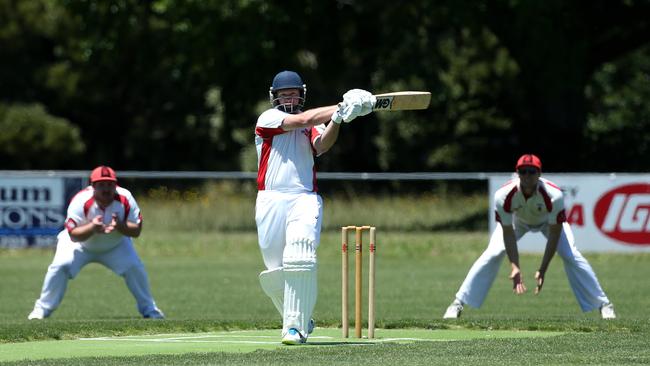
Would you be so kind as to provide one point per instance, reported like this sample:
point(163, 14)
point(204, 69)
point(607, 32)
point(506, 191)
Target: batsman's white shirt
point(545, 206)
point(83, 208)
point(287, 208)
point(285, 158)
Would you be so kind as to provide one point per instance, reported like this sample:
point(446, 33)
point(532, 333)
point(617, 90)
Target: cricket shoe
point(38, 314)
point(311, 326)
point(454, 310)
point(293, 337)
point(155, 314)
point(607, 311)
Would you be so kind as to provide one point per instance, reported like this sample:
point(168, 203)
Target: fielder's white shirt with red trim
point(83, 209)
point(545, 206)
point(285, 159)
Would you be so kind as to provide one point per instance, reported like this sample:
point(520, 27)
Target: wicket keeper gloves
point(363, 97)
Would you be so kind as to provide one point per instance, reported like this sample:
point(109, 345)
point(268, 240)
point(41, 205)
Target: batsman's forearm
point(316, 116)
point(308, 118)
point(328, 138)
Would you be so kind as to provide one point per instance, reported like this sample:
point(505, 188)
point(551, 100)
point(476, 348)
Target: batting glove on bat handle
point(336, 116)
point(350, 111)
point(362, 97)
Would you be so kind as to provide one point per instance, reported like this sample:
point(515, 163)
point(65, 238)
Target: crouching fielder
point(530, 203)
point(288, 211)
point(100, 223)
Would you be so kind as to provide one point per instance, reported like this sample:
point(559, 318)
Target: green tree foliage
point(619, 116)
point(558, 45)
point(33, 139)
point(170, 84)
point(26, 43)
point(466, 124)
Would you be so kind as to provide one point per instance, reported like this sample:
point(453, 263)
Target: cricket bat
point(402, 101)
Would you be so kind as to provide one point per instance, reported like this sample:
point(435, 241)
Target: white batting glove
point(336, 116)
point(351, 111)
point(346, 112)
point(363, 97)
point(368, 103)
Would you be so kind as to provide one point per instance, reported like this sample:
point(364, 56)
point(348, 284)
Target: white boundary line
point(220, 339)
point(185, 339)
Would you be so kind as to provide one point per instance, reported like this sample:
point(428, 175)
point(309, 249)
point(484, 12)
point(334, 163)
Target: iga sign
point(623, 214)
point(607, 212)
point(33, 210)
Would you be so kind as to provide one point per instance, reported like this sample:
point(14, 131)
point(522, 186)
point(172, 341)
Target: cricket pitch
point(233, 341)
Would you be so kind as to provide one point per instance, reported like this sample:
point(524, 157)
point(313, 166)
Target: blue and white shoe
point(293, 337)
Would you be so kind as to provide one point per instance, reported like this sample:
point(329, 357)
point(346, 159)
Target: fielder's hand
point(111, 225)
point(518, 286)
point(539, 278)
point(98, 224)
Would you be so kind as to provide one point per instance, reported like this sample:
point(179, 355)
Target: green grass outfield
point(207, 284)
point(242, 341)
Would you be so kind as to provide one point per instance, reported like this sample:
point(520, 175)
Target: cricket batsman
point(288, 209)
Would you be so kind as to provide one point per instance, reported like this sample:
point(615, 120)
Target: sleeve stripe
point(267, 133)
point(507, 204)
point(547, 199)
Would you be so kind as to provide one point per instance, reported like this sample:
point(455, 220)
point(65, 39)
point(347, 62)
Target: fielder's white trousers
point(71, 257)
point(581, 276)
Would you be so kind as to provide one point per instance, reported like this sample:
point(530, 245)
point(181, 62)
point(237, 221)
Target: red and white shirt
point(545, 206)
point(285, 159)
point(83, 209)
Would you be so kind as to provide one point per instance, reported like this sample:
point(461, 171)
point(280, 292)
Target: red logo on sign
point(624, 214)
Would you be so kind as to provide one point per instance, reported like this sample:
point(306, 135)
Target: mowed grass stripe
point(233, 342)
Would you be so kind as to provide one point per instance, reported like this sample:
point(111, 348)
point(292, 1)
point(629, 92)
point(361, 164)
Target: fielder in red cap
point(101, 220)
point(529, 203)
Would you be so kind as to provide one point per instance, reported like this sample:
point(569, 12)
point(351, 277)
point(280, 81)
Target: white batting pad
point(272, 282)
point(300, 290)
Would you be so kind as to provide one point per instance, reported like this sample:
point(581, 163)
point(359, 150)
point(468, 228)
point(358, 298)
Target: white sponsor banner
point(33, 210)
point(607, 212)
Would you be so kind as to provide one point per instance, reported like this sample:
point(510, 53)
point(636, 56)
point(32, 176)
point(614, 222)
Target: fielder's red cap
point(103, 173)
point(529, 160)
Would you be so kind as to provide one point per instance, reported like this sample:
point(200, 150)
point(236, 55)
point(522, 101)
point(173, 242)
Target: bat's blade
point(402, 101)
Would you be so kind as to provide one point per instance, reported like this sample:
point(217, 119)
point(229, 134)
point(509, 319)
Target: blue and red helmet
point(287, 80)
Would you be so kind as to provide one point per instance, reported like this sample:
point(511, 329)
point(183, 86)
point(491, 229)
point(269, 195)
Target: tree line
point(178, 85)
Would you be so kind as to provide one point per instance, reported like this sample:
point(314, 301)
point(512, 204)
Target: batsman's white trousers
point(287, 225)
point(581, 276)
point(71, 257)
point(284, 218)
